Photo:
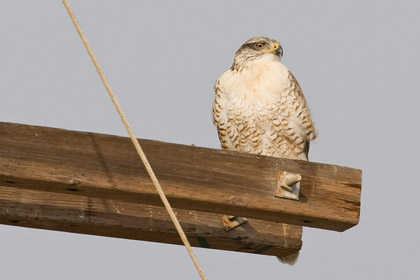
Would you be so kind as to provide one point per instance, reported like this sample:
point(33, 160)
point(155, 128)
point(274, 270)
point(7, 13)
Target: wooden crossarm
point(201, 179)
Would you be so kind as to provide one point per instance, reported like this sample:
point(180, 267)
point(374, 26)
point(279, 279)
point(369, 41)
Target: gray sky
point(357, 62)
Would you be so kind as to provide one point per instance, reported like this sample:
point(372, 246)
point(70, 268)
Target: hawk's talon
point(230, 222)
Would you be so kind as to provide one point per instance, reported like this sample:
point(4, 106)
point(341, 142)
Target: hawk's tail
point(290, 259)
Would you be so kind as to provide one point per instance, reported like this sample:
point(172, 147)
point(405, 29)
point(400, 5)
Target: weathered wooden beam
point(114, 218)
point(200, 179)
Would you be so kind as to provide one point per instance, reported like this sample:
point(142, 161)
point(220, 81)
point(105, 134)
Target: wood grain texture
point(113, 218)
point(200, 179)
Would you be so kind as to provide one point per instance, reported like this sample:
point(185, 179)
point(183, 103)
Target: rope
point(135, 142)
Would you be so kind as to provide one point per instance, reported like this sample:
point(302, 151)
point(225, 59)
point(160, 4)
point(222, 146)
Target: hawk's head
point(256, 48)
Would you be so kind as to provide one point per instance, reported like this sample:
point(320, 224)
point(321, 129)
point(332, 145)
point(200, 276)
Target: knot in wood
point(235, 200)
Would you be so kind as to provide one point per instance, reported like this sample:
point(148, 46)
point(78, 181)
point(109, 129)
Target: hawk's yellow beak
point(275, 47)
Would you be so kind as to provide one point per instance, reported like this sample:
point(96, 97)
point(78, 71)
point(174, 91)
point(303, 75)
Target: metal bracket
point(230, 222)
point(288, 185)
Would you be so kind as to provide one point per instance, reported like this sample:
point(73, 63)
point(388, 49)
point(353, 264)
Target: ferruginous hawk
point(259, 106)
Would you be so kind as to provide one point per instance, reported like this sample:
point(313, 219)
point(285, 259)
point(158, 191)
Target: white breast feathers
point(260, 109)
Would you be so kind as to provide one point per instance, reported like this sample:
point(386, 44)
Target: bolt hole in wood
point(73, 189)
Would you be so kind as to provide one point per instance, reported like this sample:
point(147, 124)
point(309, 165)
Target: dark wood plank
point(193, 178)
point(114, 218)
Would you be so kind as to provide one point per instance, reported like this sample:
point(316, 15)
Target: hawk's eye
point(260, 45)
